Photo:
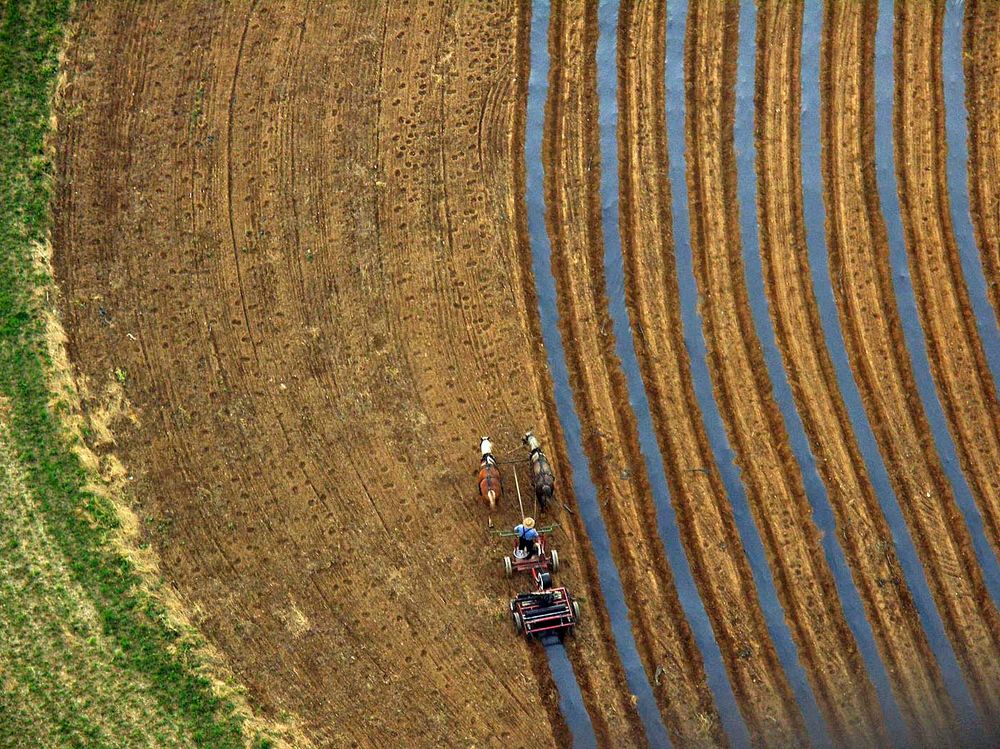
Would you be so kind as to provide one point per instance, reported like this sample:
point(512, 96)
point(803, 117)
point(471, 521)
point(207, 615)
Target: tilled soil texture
point(781, 509)
point(964, 381)
point(292, 233)
point(703, 511)
point(982, 94)
point(861, 525)
point(859, 265)
point(572, 158)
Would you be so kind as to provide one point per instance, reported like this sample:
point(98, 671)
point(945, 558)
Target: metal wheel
point(576, 611)
point(555, 561)
point(508, 568)
point(518, 622)
point(544, 580)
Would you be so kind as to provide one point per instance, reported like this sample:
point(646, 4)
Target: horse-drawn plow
point(543, 611)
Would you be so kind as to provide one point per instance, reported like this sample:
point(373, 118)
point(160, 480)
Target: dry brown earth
point(294, 232)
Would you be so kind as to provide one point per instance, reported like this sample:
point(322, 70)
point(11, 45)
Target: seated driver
point(527, 537)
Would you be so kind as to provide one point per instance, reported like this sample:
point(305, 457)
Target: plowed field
point(294, 236)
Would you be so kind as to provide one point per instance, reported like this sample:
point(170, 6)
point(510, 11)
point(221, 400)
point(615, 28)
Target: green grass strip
point(80, 523)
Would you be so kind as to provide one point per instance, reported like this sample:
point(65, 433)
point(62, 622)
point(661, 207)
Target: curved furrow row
point(859, 265)
point(958, 362)
point(982, 94)
point(572, 159)
point(862, 528)
point(805, 583)
point(708, 529)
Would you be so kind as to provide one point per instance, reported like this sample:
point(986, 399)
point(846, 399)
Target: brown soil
point(958, 363)
point(804, 582)
point(295, 232)
point(982, 94)
point(861, 525)
point(870, 320)
point(704, 514)
point(572, 157)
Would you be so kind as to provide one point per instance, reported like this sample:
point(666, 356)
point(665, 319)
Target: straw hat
point(529, 522)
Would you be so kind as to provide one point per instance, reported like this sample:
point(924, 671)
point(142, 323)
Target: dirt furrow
point(873, 334)
point(804, 582)
point(982, 94)
point(861, 525)
point(306, 426)
point(704, 514)
point(610, 439)
point(958, 362)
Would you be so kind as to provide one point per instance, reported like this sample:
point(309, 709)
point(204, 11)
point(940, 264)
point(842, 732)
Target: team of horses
point(542, 478)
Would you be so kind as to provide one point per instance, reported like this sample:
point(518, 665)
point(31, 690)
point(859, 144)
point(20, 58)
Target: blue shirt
point(528, 534)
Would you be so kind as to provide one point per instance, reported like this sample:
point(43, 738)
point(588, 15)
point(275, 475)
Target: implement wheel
point(555, 561)
point(576, 611)
point(508, 568)
point(518, 622)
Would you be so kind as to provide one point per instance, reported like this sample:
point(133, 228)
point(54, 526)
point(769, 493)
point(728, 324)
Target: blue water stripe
point(694, 341)
point(570, 699)
point(822, 511)
point(956, 119)
point(815, 222)
point(913, 333)
point(666, 519)
point(586, 493)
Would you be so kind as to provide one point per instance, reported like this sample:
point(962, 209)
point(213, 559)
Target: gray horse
point(542, 476)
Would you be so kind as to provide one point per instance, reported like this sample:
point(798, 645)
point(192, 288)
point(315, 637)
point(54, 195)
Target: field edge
point(82, 495)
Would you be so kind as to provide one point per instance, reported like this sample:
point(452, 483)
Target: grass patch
point(71, 594)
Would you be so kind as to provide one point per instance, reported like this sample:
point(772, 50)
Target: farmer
point(527, 537)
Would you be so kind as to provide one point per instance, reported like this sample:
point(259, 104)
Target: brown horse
point(542, 477)
point(489, 474)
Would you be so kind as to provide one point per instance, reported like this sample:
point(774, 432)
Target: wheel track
point(873, 335)
point(609, 434)
point(862, 528)
point(711, 538)
point(804, 582)
point(982, 93)
point(958, 362)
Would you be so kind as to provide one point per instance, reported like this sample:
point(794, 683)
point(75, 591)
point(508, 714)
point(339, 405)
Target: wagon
point(545, 612)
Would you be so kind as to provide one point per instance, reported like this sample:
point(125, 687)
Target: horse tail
point(492, 497)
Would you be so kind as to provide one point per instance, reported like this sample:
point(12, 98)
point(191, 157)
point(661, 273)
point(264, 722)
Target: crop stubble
point(859, 265)
point(271, 222)
point(861, 525)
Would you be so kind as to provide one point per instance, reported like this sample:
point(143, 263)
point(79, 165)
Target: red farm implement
point(545, 612)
